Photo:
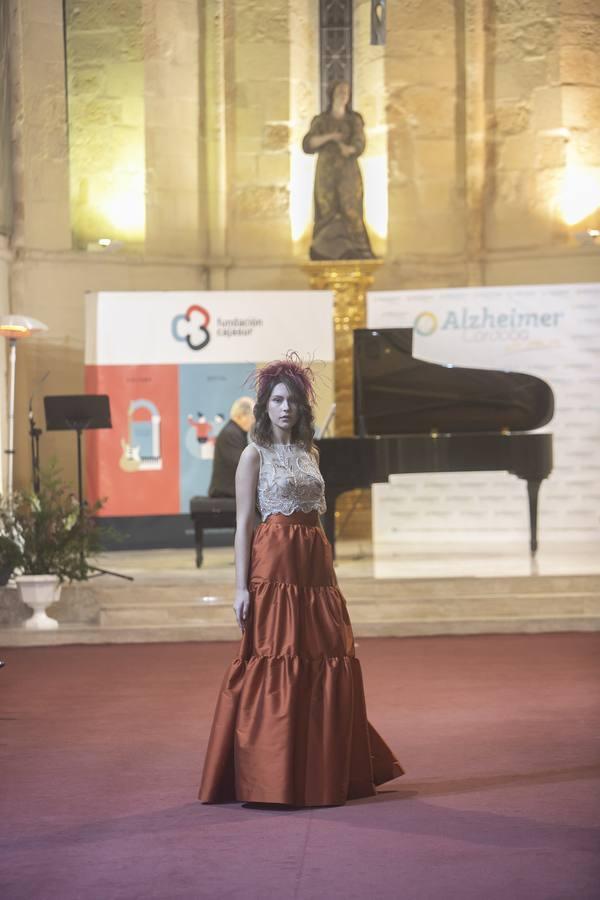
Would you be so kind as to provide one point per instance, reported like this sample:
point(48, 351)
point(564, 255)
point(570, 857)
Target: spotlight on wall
point(579, 196)
point(13, 328)
point(104, 245)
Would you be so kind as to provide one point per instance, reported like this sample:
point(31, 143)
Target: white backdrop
point(552, 331)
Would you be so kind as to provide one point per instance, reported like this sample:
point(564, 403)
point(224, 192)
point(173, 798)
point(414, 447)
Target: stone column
point(170, 101)
point(217, 44)
point(472, 38)
point(349, 281)
point(5, 265)
point(370, 100)
point(39, 123)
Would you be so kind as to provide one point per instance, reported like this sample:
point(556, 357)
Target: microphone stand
point(34, 436)
point(79, 426)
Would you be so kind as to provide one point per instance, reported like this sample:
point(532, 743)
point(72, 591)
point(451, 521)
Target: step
point(364, 590)
point(383, 610)
point(77, 634)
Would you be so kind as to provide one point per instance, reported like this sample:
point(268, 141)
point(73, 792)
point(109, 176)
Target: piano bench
point(210, 512)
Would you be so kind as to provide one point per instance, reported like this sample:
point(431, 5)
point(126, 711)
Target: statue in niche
point(337, 136)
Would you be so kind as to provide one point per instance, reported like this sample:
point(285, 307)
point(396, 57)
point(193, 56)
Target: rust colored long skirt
point(290, 724)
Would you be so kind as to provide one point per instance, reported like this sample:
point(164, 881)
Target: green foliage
point(44, 534)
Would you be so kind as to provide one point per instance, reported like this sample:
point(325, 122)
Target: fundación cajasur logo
point(192, 327)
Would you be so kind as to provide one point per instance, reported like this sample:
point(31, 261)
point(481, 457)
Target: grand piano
point(415, 416)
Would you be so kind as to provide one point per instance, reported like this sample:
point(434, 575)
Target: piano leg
point(533, 488)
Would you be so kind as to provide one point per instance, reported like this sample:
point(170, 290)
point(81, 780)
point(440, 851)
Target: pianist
point(230, 443)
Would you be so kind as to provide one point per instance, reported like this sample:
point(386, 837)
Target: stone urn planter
point(39, 592)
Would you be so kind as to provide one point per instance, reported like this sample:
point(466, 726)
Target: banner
point(552, 331)
point(172, 364)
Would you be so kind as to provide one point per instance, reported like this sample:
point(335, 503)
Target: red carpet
point(499, 736)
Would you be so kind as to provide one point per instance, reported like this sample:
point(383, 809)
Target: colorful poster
point(206, 393)
point(172, 364)
point(135, 464)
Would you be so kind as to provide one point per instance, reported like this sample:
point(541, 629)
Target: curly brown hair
point(304, 429)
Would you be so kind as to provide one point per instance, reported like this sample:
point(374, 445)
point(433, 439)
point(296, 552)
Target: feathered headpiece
point(292, 368)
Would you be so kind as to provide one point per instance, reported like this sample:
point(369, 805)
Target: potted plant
point(46, 539)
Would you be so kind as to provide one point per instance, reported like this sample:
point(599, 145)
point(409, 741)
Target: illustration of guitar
point(130, 458)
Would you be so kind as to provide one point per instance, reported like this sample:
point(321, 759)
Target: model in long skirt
point(290, 725)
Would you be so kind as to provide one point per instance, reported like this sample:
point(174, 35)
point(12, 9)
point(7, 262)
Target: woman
point(338, 136)
point(290, 724)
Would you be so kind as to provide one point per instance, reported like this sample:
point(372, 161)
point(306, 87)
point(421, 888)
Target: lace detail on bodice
point(289, 480)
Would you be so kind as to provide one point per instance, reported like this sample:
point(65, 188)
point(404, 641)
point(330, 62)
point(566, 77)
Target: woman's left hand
point(241, 607)
point(347, 149)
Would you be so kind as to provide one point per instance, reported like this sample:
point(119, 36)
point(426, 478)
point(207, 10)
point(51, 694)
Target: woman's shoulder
point(251, 452)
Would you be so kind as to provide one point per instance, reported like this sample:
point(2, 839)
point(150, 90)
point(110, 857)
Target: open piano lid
point(395, 393)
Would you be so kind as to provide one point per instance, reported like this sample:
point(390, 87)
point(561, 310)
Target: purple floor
point(499, 736)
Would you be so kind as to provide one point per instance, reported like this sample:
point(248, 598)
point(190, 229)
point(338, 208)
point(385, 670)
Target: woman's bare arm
point(246, 479)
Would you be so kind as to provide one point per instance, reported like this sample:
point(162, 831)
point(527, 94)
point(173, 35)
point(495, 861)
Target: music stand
point(79, 413)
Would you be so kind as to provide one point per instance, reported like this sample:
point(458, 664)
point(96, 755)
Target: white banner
point(552, 331)
point(163, 327)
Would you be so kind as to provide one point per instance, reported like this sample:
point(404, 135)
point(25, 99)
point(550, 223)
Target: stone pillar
point(216, 45)
point(425, 213)
point(304, 104)
point(472, 39)
point(5, 264)
point(349, 280)
point(175, 198)
point(258, 177)
point(369, 99)
point(39, 121)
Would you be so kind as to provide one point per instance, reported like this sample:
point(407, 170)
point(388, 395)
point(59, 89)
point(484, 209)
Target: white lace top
point(289, 480)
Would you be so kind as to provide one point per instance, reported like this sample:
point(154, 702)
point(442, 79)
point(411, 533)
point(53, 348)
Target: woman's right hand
point(241, 606)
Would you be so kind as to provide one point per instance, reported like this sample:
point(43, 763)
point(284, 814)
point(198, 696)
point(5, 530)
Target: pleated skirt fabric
point(290, 724)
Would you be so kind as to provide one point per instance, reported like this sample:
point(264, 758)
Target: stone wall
point(105, 92)
point(370, 99)
point(260, 130)
point(48, 274)
point(487, 104)
point(5, 126)
point(475, 112)
point(543, 121)
point(421, 66)
point(174, 126)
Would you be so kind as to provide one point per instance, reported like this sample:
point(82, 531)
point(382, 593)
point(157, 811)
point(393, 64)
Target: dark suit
point(229, 445)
